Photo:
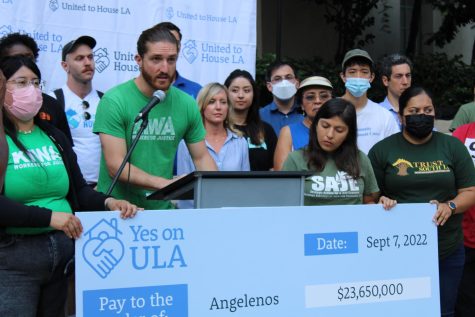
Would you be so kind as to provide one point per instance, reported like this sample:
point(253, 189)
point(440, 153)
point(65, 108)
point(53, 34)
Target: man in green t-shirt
point(465, 114)
point(175, 118)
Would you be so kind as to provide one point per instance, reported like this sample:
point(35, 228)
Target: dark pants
point(32, 274)
point(450, 274)
point(466, 298)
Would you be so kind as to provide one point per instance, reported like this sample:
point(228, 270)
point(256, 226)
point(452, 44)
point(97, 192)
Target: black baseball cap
point(71, 46)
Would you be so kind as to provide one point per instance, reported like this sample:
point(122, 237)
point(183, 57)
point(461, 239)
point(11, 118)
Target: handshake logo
point(190, 52)
point(102, 59)
point(103, 250)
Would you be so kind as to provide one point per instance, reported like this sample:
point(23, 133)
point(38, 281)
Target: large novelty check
point(289, 261)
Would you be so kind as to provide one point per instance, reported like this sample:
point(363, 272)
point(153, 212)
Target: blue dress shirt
point(277, 119)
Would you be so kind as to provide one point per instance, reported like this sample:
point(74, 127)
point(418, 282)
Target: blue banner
point(289, 261)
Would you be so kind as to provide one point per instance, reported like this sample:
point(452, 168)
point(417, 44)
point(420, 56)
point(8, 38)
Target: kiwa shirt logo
point(406, 168)
point(39, 157)
point(158, 129)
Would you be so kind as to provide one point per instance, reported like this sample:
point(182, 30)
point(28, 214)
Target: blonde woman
point(228, 148)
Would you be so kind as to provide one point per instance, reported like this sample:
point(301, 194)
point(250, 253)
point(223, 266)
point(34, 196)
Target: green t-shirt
point(465, 114)
point(174, 119)
point(39, 180)
point(413, 173)
point(331, 186)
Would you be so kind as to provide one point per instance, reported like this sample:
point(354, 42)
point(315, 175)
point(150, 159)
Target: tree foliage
point(350, 20)
point(455, 14)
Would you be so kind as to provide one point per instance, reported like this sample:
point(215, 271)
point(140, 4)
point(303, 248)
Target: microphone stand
point(143, 125)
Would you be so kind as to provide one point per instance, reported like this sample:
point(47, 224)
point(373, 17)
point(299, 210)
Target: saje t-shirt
point(331, 186)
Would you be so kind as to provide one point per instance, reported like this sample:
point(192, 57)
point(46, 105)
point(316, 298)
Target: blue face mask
point(357, 86)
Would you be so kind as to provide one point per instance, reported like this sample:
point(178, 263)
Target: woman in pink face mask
point(3, 141)
point(43, 187)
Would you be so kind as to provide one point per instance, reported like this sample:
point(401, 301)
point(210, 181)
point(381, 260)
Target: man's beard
point(149, 79)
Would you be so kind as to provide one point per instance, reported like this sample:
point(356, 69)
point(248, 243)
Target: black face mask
point(419, 125)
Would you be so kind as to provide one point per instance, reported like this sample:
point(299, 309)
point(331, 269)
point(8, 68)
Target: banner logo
point(5, 29)
point(190, 52)
point(102, 59)
point(169, 13)
point(53, 5)
point(103, 250)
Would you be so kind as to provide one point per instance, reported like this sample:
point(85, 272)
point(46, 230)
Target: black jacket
point(80, 196)
point(52, 112)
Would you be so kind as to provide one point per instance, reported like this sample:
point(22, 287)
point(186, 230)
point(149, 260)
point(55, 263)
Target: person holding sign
point(420, 165)
point(43, 187)
point(343, 174)
point(466, 296)
point(3, 141)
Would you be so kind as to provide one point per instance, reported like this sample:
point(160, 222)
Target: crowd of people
point(358, 151)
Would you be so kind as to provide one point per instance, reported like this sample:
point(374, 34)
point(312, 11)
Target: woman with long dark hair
point(260, 136)
point(343, 174)
point(43, 186)
point(421, 165)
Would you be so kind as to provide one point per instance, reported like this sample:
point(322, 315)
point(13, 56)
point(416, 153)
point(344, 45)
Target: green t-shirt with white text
point(173, 119)
point(38, 179)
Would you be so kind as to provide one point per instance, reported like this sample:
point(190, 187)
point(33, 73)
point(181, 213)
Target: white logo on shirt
point(44, 156)
point(341, 182)
point(158, 129)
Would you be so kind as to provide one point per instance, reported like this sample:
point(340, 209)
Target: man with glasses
point(282, 82)
point(15, 44)
point(396, 74)
point(79, 101)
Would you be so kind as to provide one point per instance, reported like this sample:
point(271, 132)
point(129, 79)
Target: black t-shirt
point(261, 156)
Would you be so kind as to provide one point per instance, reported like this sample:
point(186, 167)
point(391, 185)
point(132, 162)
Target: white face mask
point(284, 90)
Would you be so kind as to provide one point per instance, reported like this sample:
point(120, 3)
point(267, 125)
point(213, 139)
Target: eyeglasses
point(22, 82)
point(278, 79)
point(324, 96)
point(85, 106)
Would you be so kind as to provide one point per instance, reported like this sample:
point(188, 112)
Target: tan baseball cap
point(316, 81)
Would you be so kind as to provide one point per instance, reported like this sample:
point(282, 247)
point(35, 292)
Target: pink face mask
point(23, 103)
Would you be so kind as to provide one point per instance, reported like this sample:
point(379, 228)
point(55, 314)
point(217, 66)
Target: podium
point(237, 189)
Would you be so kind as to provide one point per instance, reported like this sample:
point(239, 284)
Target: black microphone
point(157, 97)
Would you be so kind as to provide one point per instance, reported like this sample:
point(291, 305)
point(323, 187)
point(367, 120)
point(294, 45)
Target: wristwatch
point(452, 206)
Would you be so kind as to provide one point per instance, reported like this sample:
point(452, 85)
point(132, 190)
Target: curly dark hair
point(11, 39)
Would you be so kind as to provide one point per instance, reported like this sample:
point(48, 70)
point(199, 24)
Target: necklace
point(25, 132)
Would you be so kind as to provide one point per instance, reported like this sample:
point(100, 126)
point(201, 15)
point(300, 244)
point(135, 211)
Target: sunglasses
point(85, 106)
